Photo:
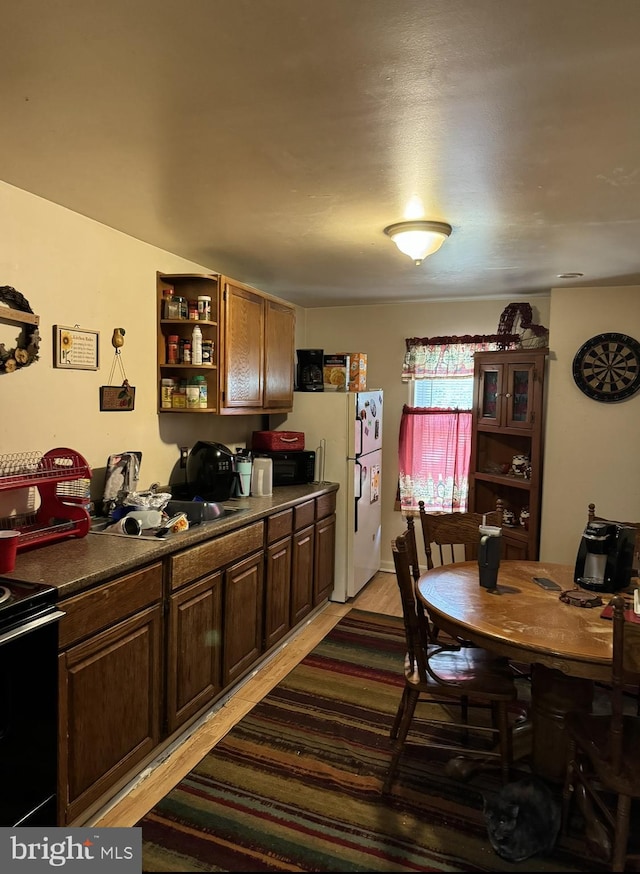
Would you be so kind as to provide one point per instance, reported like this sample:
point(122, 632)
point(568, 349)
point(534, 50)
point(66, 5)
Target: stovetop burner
point(21, 600)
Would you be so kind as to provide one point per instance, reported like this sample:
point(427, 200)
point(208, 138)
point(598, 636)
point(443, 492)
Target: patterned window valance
point(449, 356)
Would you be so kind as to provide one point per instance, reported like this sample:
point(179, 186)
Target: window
point(445, 393)
point(435, 430)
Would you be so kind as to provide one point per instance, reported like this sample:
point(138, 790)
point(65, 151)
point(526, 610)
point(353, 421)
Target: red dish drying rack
point(62, 479)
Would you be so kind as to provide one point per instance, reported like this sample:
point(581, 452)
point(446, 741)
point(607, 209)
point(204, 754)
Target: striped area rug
point(295, 785)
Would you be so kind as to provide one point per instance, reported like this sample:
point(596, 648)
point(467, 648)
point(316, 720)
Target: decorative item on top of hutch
point(507, 444)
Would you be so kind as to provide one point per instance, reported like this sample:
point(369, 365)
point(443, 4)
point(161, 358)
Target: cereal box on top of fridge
point(336, 372)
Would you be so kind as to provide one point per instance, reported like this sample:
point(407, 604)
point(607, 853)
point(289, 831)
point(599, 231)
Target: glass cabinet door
point(518, 397)
point(489, 394)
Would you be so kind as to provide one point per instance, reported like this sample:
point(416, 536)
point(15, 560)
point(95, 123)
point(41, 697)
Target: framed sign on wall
point(75, 348)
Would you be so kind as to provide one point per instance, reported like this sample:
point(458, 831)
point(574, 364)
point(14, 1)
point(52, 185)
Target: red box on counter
point(276, 441)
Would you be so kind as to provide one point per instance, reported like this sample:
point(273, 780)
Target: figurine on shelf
point(519, 465)
point(524, 518)
point(508, 517)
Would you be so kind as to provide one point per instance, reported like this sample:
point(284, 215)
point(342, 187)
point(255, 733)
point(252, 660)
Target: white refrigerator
point(345, 430)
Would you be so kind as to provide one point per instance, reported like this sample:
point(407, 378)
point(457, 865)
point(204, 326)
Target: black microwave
point(291, 468)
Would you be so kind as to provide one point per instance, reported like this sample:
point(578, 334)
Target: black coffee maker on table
point(605, 557)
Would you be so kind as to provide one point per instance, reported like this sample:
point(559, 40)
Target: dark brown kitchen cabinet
point(194, 648)
point(302, 573)
point(110, 681)
point(324, 559)
point(277, 619)
point(508, 421)
point(233, 565)
point(257, 351)
point(243, 594)
point(302, 566)
point(144, 655)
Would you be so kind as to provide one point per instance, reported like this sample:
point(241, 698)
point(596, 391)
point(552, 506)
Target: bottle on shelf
point(168, 306)
point(201, 382)
point(193, 394)
point(204, 307)
point(168, 386)
point(196, 346)
point(207, 351)
point(172, 349)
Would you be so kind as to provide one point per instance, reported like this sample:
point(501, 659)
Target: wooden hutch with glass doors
point(507, 444)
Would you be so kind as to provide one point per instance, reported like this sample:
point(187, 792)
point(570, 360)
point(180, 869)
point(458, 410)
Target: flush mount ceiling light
point(418, 239)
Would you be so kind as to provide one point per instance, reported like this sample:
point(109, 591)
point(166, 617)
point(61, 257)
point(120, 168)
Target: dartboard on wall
point(607, 367)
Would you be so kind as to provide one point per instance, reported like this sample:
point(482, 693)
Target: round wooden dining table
point(568, 647)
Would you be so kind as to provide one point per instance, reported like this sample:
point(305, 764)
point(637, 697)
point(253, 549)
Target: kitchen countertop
point(76, 564)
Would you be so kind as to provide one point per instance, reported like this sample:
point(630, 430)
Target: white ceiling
point(274, 140)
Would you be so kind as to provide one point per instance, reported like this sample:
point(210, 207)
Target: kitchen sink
point(197, 513)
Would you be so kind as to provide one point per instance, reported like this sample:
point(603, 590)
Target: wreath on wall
point(27, 347)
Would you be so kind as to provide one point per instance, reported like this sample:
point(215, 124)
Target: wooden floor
point(380, 595)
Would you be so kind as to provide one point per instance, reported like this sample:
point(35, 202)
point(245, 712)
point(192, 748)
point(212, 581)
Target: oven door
point(29, 721)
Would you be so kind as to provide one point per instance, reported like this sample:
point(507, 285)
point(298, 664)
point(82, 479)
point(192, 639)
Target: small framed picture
point(117, 398)
point(75, 349)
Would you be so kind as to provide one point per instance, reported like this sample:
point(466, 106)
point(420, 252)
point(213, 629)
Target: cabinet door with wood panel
point(110, 708)
point(257, 351)
point(324, 559)
point(302, 574)
point(242, 348)
point(279, 353)
point(243, 604)
point(508, 421)
point(194, 648)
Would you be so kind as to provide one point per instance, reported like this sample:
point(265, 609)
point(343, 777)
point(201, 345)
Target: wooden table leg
point(553, 694)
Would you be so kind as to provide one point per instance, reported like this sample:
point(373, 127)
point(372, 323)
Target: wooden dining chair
point(454, 535)
point(603, 755)
point(447, 678)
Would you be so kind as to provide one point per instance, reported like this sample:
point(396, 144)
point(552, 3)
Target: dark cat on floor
point(522, 819)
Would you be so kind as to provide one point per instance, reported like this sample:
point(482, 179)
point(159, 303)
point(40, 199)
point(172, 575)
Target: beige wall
point(75, 271)
point(591, 449)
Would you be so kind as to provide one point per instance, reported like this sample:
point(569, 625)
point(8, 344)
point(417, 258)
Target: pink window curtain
point(434, 453)
point(435, 445)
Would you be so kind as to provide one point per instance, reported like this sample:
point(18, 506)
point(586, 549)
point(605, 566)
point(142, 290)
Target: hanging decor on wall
point(15, 309)
point(517, 318)
point(117, 398)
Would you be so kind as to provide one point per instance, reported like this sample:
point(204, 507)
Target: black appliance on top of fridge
point(309, 373)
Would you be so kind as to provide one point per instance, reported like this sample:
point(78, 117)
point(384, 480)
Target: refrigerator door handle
point(358, 496)
point(358, 447)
